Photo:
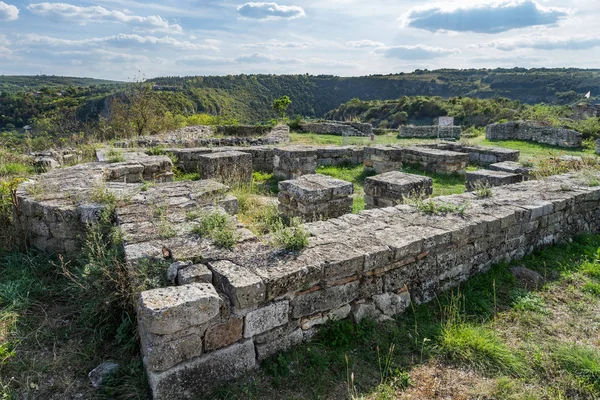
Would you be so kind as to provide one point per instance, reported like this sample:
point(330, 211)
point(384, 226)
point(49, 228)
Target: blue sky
point(116, 39)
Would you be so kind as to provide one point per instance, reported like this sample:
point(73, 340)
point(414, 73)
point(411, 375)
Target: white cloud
point(483, 18)
point(121, 40)
point(361, 44)
point(269, 11)
point(133, 40)
point(418, 52)
point(203, 60)
point(275, 44)
point(83, 15)
point(8, 12)
point(546, 43)
point(259, 58)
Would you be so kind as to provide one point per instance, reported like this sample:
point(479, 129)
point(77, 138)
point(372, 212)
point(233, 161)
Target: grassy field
point(495, 337)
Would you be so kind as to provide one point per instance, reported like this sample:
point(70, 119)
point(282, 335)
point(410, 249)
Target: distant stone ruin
point(206, 136)
point(535, 133)
point(337, 128)
point(430, 132)
point(216, 312)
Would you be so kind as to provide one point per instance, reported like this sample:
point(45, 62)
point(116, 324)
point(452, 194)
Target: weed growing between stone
point(292, 238)
point(217, 226)
point(483, 190)
point(434, 207)
point(115, 156)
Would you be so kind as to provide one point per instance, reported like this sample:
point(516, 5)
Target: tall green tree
point(281, 105)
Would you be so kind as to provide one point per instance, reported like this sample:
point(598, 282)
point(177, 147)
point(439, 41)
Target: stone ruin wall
point(263, 156)
point(482, 156)
point(372, 264)
point(337, 128)
point(536, 133)
point(204, 136)
point(432, 131)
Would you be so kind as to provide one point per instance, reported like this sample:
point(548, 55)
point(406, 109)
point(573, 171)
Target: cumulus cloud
point(275, 44)
point(121, 40)
point(546, 43)
point(269, 11)
point(8, 12)
point(83, 15)
point(361, 44)
point(418, 52)
point(483, 18)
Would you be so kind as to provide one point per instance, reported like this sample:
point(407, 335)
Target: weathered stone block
point(224, 334)
point(324, 300)
point(171, 309)
point(194, 274)
point(315, 197)
point(161, 352)
point(512, 167)
point(294, 161)
point(283, 343)
point(244, 288)
point(194, 377)
point(266, 318)
point(490, 178)
point(226, 167)
point(391, 303)
point(391, 188)
point(381, 159)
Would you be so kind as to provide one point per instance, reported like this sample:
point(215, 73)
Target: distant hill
point(24, 83)
point(248, 98)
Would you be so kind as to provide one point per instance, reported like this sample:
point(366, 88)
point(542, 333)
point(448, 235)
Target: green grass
point(443, 185)
point(531, 151)
point(216, 226)
point(355, 174)
point(480, 348)
point(582, 362)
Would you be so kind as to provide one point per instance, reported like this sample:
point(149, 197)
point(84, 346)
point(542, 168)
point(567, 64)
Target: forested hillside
point(248, 98)
point(23, 83)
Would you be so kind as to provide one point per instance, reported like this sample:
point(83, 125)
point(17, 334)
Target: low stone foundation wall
point(337, 128)
point(482, 156)
point(204, 136)
point(434, 160)
point(428, 132)
point(345, 155)
point(536, 133)
point(513, 168)
point(373, 264)
point(230, 167)
point(380, 159)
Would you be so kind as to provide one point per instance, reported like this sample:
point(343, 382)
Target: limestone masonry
point(338, 128)
point(217, 312)
point(371, 264)
point(391, 188)
point(432, 131)
point(315, 197)
point(536, 133)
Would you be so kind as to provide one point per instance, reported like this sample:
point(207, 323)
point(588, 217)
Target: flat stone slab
point(435, 160)
point(491, 178)
point(390, 188)
point(294, 161)
point(512, 168)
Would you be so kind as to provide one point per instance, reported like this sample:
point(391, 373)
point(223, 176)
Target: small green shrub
point(101, 195)
point(522, 300)
point(115, 156)
point(291, 238)
point(216, 226)
point(483, 190)
point(433, 207)
point(156, 151)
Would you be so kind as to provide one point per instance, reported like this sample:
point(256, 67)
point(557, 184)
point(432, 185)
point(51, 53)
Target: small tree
point(281, 105)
